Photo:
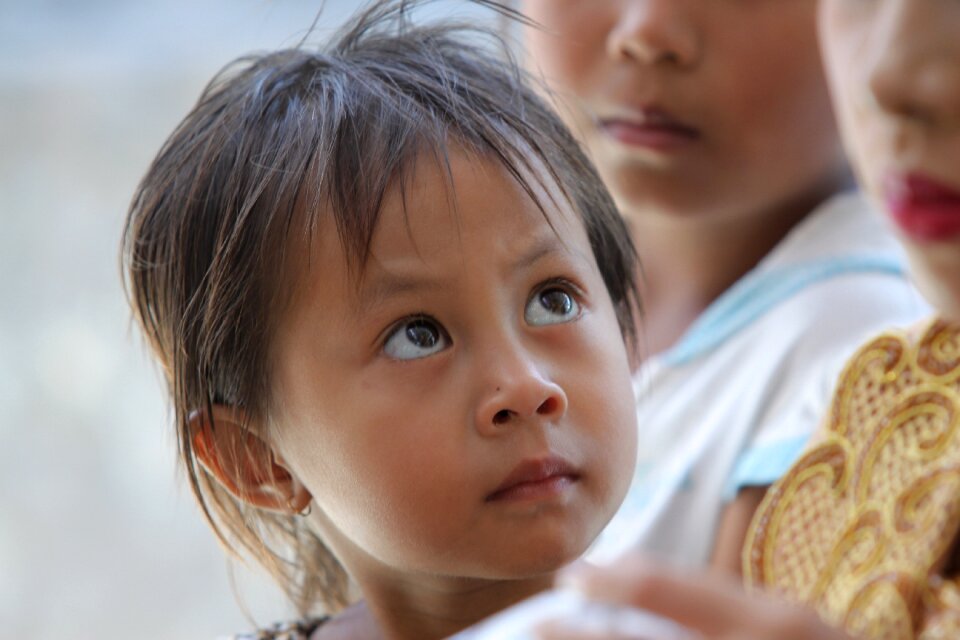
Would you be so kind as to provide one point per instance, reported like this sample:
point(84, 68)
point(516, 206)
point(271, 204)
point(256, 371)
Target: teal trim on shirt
point(756, 293)
point(764, 465)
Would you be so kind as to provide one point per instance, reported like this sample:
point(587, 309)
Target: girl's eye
point(415, 338)
point(551, 305)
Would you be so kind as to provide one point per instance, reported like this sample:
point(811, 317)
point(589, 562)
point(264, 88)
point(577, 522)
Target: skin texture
point(746, 76)
point(898, 100)
point(894, 67)
point(399, 445)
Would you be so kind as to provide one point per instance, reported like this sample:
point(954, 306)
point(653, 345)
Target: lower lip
point(530, 491)
point(657, 138)
point(924, 210)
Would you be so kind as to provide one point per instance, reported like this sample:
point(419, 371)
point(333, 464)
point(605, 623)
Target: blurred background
point(99, 536)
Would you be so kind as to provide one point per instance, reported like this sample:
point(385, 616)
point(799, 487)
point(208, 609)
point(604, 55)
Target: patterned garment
point(864, 525)
point(301, 630)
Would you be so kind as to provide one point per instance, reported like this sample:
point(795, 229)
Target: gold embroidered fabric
point(862, 526)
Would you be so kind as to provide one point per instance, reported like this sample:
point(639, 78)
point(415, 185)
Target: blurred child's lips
point(922, 207)
point(536, 478)
point(648, 127)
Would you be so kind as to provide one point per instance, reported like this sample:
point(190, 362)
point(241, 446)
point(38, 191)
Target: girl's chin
point(943, 296)
point(544, 561)
point(935, 270)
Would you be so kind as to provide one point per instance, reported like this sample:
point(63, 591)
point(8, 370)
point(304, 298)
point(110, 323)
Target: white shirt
point(733, 403)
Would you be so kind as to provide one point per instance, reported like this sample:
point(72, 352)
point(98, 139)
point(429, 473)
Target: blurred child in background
point(710, 123)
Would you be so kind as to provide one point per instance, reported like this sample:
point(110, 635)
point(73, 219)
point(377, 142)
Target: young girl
point(866, 526)
point(390, 298)
point(710, 123)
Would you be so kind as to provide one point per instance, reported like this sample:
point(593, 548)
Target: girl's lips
point(650, 128)
point(923, 208)
point(534, 479)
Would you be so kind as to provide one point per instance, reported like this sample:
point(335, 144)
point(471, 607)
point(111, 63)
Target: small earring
point(303, 512)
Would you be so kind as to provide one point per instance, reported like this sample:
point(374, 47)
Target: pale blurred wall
point(99, 537)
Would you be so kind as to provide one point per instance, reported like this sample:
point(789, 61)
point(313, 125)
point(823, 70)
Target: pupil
point(556, 301)
point(422, 334)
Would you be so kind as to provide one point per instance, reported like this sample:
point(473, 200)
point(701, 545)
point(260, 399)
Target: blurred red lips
point(922, 207)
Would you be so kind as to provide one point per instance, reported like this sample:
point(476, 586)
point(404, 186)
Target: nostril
point(501, 416)
point(548, 407)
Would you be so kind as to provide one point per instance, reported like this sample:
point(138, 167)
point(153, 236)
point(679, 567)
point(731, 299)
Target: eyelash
point(559, 282)
point(399, 322)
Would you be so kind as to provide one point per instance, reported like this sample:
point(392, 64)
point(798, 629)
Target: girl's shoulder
point(299, 630)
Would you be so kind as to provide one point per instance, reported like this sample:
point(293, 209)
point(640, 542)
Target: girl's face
point(465, 410)
point(894, 69)
point(693, 107)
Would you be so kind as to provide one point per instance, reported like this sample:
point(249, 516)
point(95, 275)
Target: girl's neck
point(400, 605)
point(687, 264)
point(439, 608)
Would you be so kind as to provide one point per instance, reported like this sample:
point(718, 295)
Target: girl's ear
point(242, 462)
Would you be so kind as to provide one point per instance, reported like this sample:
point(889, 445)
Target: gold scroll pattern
point(863, 526)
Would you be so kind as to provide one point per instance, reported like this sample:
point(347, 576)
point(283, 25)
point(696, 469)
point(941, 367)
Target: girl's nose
point(913, 70)
point(654, 32)
point(517, 394)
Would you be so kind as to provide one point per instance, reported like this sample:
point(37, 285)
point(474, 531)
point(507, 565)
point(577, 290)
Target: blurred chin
point(945, 301)
point(937, 277)
point(638, 195)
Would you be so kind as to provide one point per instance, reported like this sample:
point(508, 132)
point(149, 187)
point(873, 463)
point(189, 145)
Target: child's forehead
point(437, 216)
point(462, 186)
point(442, 196)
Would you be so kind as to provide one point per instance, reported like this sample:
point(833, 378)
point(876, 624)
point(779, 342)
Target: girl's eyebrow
point(381, 284)
point(384, 285)
point(545, 246)
point(538, 250)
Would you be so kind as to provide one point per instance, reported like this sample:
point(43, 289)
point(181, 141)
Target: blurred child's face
point(466, 409)
point(692, 107)
point(894, 67)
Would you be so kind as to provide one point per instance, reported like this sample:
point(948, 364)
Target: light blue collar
point(757, 292)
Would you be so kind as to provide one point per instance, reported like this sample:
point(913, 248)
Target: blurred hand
point(713, 606)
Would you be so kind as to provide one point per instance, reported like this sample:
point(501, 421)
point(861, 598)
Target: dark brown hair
point(278, 139)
